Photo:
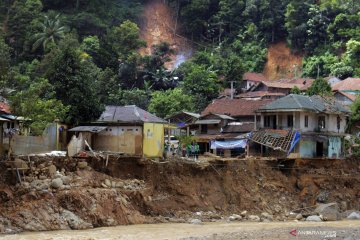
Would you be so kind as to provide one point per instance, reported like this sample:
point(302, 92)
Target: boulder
point(56, 183)
point(354, 216)
point(107, 182)
point(52, 170)
point(66, 180)
point(195, 221)
point(74, 221)
point(313, 218)
point(329, 211)
point(254, 218)
point(299, 216)
point(18, 163)
point(266, 216)
point(243, 213)
point(235, 217)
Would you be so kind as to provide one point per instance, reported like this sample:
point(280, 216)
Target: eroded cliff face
point(80, 195)
point(282, 63)
point(159, 24)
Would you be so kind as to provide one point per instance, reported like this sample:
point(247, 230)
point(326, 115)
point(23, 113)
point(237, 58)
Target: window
point(204, 128)
point(321, 122)
point(306, 121)
point(290, 120)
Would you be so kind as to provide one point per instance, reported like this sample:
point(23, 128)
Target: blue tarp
point(294, 141)
point(232, 144)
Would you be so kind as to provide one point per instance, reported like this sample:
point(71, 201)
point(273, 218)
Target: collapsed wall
point(131, 191)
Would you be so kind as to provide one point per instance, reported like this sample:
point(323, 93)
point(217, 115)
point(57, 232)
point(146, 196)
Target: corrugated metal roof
point(208, 121)
point(93, 129)
point(301, 102)
point(4, 120)
point(128, 114)
point(347, 84)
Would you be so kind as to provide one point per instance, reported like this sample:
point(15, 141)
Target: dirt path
point(248, 230)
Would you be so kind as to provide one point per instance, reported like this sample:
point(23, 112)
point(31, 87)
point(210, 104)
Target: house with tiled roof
point(347, 91)
point(251, 79)
point(298, 126)
point(224, 123)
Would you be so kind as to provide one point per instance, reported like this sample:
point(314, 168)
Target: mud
point(282, 63)
point(133, 191)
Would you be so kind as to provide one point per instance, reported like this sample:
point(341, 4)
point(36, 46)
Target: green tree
point(166, 103)
point(319, 66)
point(201, 83)
point(319, 87)
point(76, 81)
point(52, 31)
point(4, 59)
point(20, 16)
point(355, 110)
point(295, 90)
point(125, 39)
point(91, 45)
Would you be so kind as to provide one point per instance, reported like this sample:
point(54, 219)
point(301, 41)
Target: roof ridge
point(295, 99)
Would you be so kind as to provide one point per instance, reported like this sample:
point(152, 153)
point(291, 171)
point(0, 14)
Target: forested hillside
point(62, 59)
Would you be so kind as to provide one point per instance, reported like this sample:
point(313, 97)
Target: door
point(319, 149)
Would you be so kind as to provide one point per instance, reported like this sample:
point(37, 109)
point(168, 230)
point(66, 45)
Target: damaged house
point(298, 126)
point(127, 130)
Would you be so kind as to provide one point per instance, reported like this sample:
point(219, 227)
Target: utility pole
point(232, 90)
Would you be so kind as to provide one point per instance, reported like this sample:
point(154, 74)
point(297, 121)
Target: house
point(251, 79)
point(284, 86)
point(224, 123)
point(123, 129)
point(347, 90)
point(184, 122)
point(298, 126)
point(345, 98)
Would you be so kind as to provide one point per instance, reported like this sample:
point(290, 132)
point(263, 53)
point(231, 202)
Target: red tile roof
point(350, 96)
point(256, 77)
point(235, 107)
point(347, 84)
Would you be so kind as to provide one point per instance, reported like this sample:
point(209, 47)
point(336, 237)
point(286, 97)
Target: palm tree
point(52, 31)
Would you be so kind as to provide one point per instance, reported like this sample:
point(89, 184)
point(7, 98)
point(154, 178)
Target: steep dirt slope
point(159, 25)
point(282, 63)
point(132, 191)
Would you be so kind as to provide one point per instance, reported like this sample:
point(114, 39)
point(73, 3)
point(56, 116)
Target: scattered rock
point(299, 216)
point(329, 211)
point(52, 170)
point(313, 218)
point(74, 221)
point(66, 180)
point(195, 221)
point(235, 217)
point(82, 165)
point(354, 216)
point(243, 213)
point(107, 182)
point(119, 184)
point(322, 197)
point(254, 218)
point(56, 183)
point(266, 216)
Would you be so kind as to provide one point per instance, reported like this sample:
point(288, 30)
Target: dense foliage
point(70, 58)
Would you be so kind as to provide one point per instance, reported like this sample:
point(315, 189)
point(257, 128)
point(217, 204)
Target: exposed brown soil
point(282, 63)
point(175, 191)
point(159, 25)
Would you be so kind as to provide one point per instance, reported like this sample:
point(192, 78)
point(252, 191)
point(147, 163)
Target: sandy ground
point(349, 230)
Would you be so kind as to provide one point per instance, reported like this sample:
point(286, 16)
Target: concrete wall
point(22, 145)
point(123, 139)
point(153, 140)
point(299, 121)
